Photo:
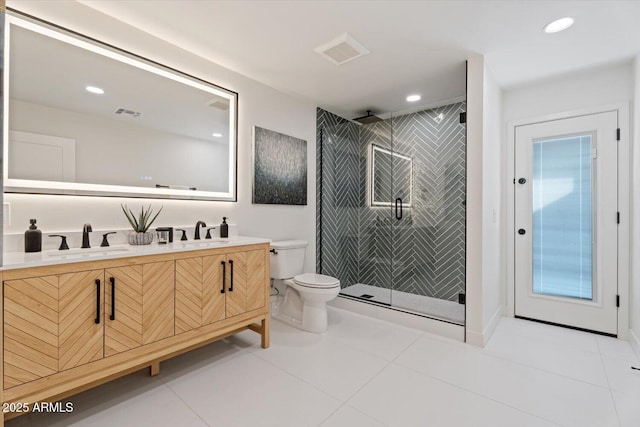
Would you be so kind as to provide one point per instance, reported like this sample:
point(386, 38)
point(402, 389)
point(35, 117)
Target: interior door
point(566, 221)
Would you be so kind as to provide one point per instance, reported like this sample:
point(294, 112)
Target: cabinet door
point(30, 329)
point(158, 311)
point(214, 288)
point(188, 294)
point(81, 320)
point(257, 279)
point(236, 294)
point(123, 313)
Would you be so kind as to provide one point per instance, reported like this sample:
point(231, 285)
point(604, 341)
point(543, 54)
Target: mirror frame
point(372, 174)
point(14, 185)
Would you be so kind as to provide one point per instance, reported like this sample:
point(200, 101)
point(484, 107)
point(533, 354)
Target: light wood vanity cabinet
point(30, 329)
point(213, 288)
point(69, 327)
point(55, 323)
point(144, 309)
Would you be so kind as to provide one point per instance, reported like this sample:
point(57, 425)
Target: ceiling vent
point(130, 113)
point(218, 102)
point(342, 49)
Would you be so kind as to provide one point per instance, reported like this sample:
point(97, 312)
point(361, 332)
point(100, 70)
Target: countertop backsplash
point(15, 242)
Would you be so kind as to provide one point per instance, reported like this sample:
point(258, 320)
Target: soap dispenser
point(32, 238)
point(224, 227)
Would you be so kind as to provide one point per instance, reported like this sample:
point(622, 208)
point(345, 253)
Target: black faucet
point(86, 229)
point(197, 234)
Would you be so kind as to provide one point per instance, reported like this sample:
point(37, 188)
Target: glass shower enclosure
point(391, 209)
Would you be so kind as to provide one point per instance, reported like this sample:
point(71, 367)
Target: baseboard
point(635, 343)
point(481, 339)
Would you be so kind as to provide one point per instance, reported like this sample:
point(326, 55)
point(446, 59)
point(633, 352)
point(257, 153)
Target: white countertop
point(14, 260)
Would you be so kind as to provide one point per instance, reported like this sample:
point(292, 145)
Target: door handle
point(231, 265)
point(522, 181)
point(113, 298)
point(399, 204)
point(224, 275)
point(521, 231)
point(97, 301)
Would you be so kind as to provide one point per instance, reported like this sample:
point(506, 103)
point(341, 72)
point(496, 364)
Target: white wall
point(109, 151)
point(634, 336)
point(599, 86)
point(485, 248)
point(475, 109)
point(493, 230)
point(258, 105)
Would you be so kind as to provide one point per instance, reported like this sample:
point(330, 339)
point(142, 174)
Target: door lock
point(521, 231)
point(522, 181)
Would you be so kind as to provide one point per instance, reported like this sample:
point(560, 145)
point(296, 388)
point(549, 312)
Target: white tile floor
point(366, 372)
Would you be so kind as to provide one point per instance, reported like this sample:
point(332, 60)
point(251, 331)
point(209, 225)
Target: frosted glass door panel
point(562, 217)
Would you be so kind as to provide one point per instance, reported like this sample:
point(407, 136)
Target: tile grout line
point(345, 402)
point(613, 399)
point(516, 362)
point(388, 363)
point(464, 389)
point(186, 404)
point(166, 381)
point(480, 395)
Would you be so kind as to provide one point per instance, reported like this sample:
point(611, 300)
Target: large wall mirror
point(88, 119)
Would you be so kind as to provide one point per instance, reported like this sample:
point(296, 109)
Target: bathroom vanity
point(76, 319)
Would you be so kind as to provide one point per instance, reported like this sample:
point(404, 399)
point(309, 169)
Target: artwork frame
point(279, 168)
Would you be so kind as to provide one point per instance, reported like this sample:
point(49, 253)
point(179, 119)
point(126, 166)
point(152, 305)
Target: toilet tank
point(287, 258)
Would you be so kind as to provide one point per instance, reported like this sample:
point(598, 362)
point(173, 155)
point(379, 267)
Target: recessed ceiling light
point(558, 25)
point(94, 89)
point(413, 98)
point(217, 135)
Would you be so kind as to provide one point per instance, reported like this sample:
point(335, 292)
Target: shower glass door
point(354, 237)
point(429, 228)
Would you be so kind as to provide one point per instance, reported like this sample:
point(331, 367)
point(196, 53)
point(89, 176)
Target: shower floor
point(446, 310)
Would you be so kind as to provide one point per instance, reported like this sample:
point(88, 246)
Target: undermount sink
point(88, 252)
point(207, 242)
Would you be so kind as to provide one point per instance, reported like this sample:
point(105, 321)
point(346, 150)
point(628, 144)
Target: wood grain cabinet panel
point(144, 310)
point(188, 294)
point(213, 304)
point(214, 288)
point(80, 318)
point(255, 279)
point(236, 302)
point(30, 329)
point(123, 330)
point(158, 312)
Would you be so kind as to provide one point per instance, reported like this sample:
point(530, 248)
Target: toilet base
point(309, 315)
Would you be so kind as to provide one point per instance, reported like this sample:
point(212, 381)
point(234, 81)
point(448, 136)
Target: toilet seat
point(317, 281)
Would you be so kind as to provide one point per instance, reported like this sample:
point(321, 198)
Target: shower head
point(369, 118)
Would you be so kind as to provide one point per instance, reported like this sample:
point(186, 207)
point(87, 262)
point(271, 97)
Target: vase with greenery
point(140, 224)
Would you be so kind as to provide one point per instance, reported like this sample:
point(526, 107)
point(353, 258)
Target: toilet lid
point(312, 280)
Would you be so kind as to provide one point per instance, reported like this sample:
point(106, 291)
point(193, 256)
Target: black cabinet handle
point(399, 205)
point(97, 301)
point(231, 265)
point(224, 275)
point(113, 298)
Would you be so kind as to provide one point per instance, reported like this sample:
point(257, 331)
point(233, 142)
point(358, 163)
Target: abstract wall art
point(279, 168)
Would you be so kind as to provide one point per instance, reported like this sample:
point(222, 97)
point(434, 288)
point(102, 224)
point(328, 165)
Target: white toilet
point(306, 295)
